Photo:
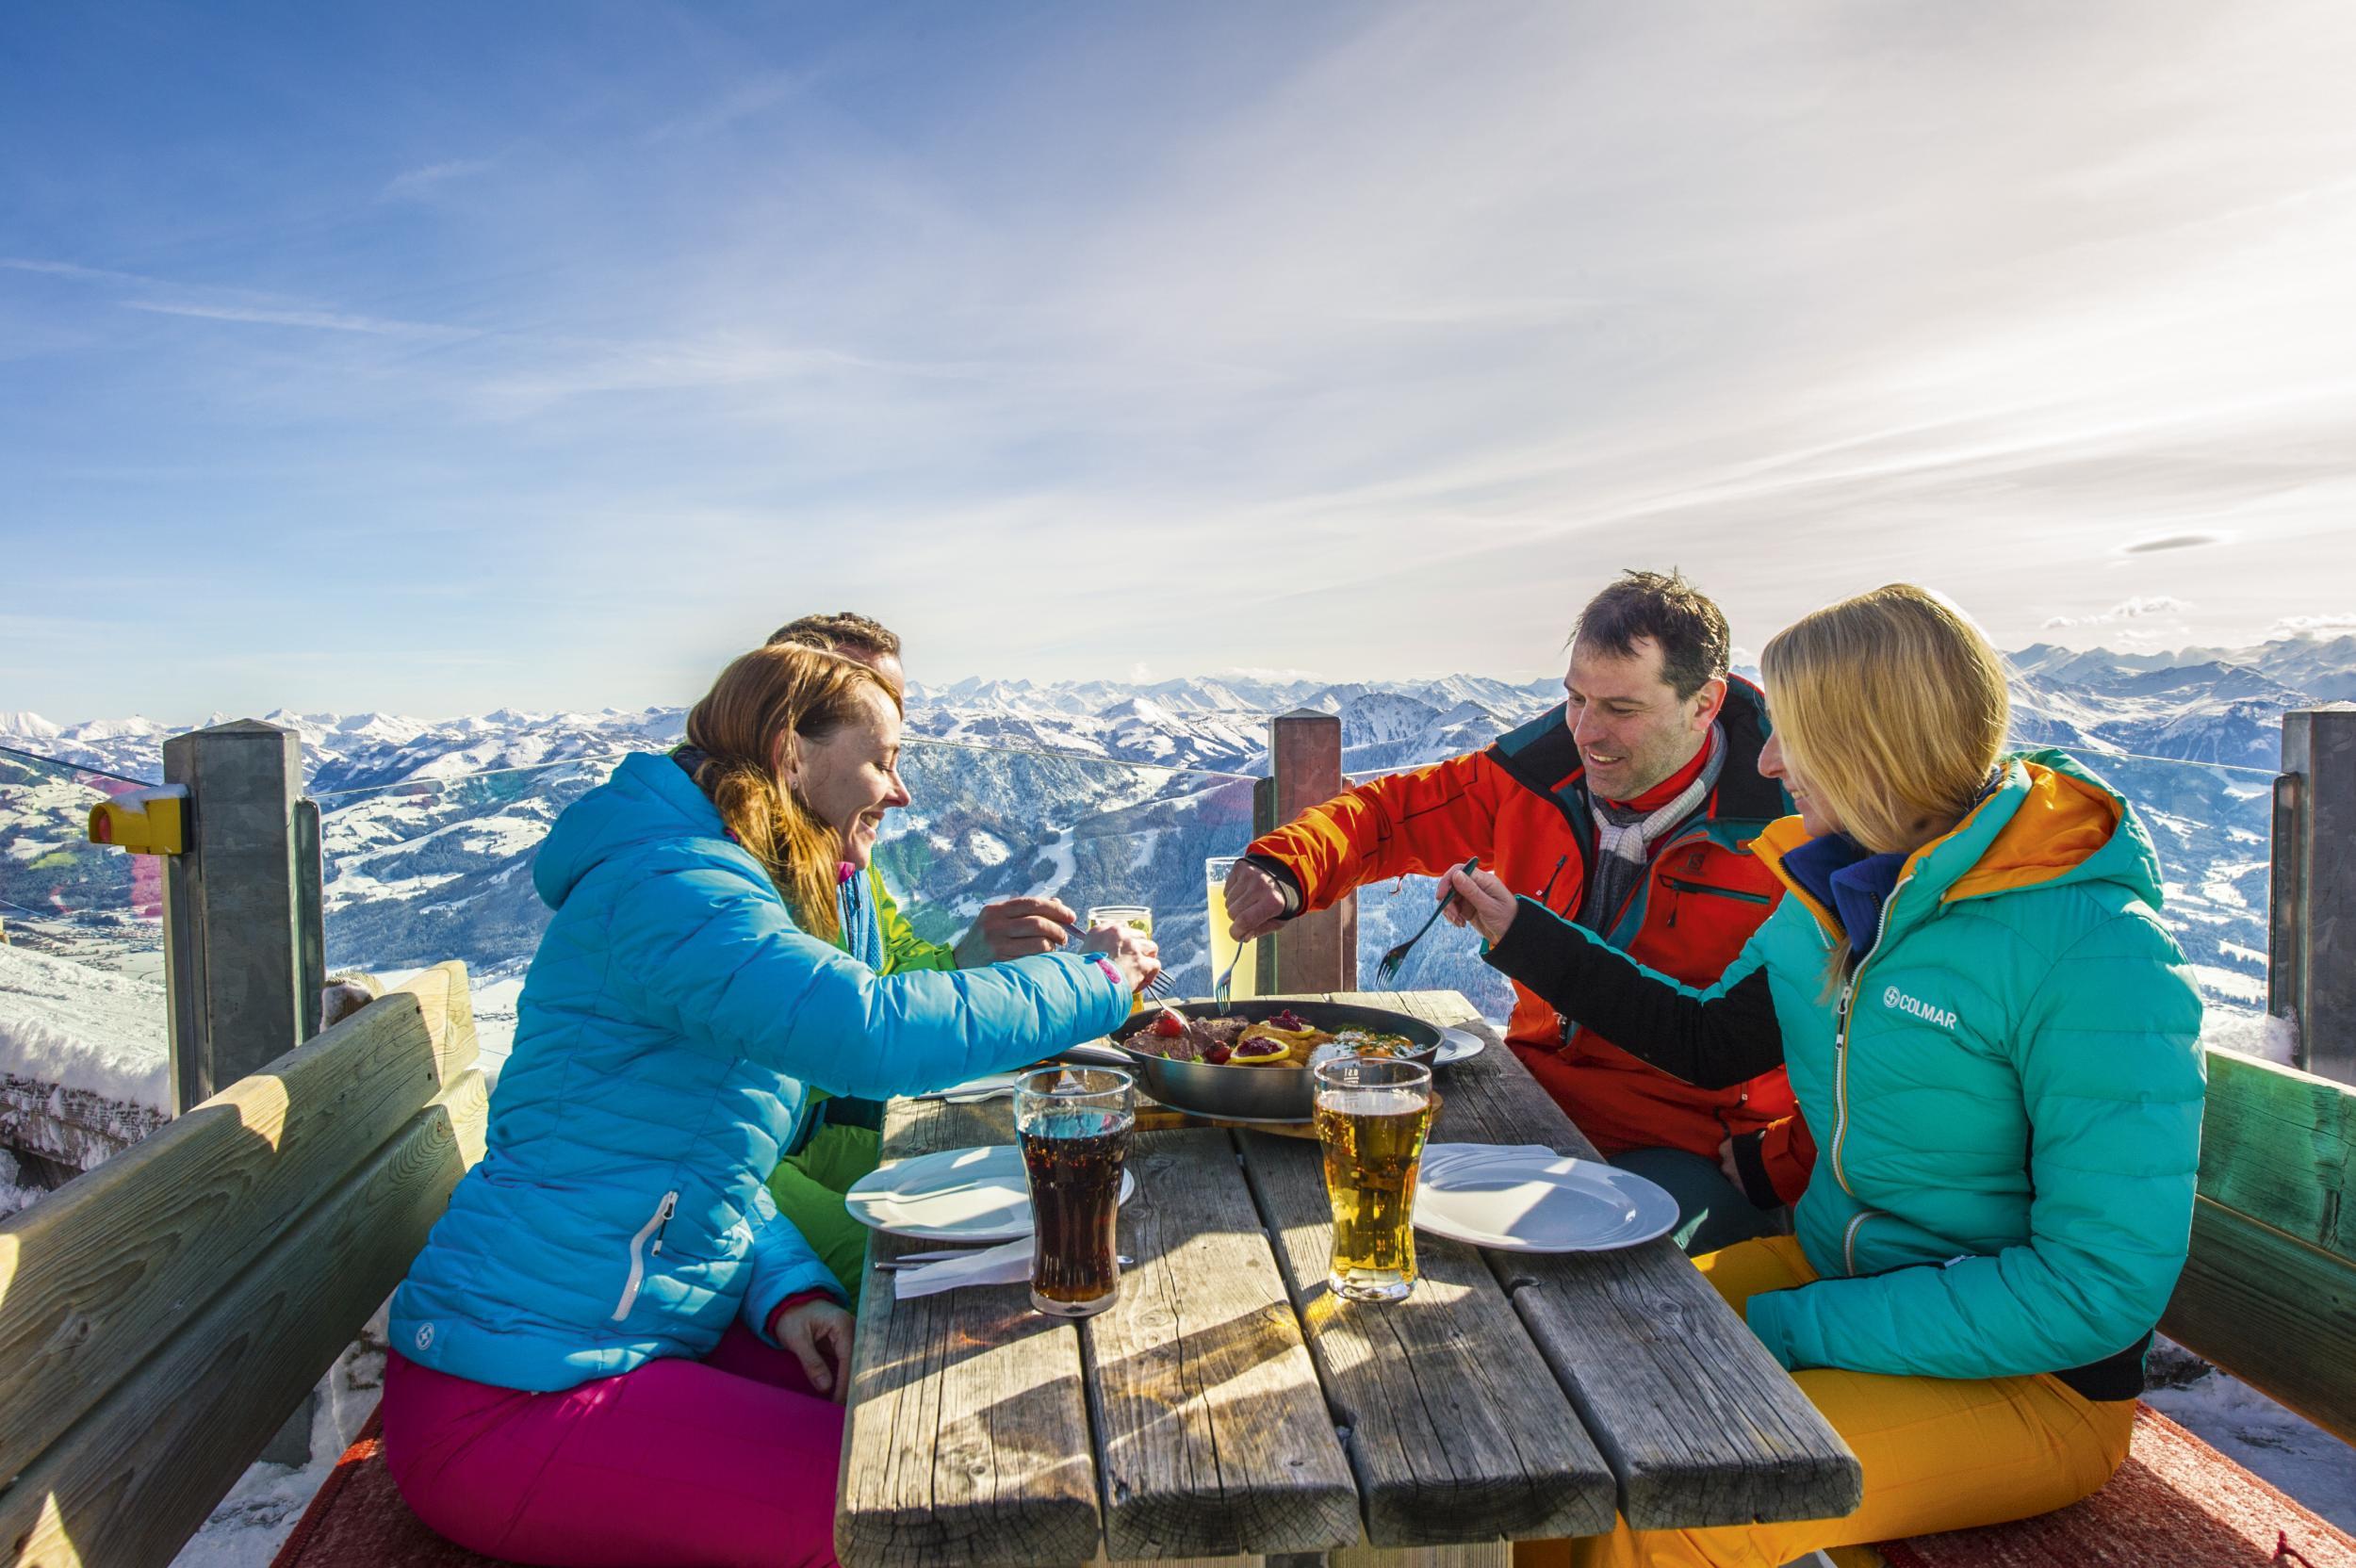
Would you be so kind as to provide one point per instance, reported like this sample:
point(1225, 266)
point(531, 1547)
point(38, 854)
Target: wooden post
point(240, 961)
point(2312, 970)
point(1319, 951)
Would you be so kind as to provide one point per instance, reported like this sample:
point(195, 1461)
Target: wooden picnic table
point(1227, 1407)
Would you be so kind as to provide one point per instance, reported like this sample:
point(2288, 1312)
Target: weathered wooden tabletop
point(1227, 1407)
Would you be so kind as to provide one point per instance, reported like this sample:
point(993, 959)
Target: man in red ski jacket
point(1629, 808)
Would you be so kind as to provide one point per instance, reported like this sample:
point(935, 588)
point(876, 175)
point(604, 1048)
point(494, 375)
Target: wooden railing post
point(1319, 951)
point(241, 954)
point(2311, 970)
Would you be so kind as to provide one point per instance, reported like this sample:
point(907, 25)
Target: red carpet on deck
point(2176, 1503)
point(359, 1521)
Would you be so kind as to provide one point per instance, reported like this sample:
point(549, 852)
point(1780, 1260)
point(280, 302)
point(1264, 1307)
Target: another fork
point(1396, 960)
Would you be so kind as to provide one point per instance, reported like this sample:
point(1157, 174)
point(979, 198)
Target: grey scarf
point(1625, 836)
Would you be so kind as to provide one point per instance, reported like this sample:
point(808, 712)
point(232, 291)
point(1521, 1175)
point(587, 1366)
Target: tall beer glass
point(1222, 946)
point(1137, 916)
point(1372, 1117)
point(1074, 1124)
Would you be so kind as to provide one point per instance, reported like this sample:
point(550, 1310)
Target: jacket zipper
point(650, 1232)
point(1841, 1038)
point(1848, 1241)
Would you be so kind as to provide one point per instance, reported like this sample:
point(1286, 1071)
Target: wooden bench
point(2269, 1295)
point(161, 1315)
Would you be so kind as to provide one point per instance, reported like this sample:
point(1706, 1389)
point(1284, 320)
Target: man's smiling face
point(1633, 730)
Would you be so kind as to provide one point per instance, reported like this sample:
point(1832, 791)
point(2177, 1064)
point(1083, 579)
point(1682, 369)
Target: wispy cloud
point(2292, 626)
point(323, 319)
point(419, 181)
point(2131, 610)
point(2173, 541)
point(164, 297)
point(747, 99)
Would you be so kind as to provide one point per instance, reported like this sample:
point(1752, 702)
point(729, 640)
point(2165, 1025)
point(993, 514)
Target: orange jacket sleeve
point(1404, 825)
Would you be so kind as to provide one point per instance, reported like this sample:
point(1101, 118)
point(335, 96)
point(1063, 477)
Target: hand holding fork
point(1387, 970)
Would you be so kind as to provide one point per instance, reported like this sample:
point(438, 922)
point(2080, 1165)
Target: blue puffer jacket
point(673, 1022)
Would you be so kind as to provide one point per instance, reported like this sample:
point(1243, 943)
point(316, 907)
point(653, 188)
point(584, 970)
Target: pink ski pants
point(723, 1463)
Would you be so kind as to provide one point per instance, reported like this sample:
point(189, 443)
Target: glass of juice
point(1222, 946)
point(1074, 1125)
point(1137, 916)
point(1372, 1117)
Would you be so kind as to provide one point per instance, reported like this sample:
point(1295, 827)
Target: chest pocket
point(1681, 889)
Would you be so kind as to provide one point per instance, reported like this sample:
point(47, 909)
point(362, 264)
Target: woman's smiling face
point(852, 777)
point(1815, 814)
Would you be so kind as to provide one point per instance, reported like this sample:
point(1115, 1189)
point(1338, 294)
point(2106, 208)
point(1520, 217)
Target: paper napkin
point(1005, 1265)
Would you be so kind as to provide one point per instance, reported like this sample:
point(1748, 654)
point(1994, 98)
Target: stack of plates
point(1536, 1200)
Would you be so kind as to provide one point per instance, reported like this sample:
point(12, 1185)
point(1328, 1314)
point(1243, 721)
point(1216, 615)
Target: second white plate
point(957, 1194)
point(1554, 1203)
point(1457, 1044)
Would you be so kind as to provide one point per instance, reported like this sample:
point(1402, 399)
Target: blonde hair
point(1891, 710)
point(763, 703)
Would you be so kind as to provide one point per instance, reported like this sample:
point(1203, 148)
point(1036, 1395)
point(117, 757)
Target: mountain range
point(1101, 792)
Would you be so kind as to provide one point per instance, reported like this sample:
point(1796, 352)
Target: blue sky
point(442, 357)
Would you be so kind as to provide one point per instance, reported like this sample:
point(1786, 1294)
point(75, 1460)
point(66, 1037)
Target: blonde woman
point(1995, 1044)
point(613, 1349)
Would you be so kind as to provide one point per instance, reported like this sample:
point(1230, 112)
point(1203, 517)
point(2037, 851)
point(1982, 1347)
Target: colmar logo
point(1894, 997)
point(425, 1335)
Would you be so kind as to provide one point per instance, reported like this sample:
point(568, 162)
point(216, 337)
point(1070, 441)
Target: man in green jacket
point(843, 1143)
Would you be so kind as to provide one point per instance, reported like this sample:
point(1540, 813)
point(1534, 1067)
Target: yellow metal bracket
point(144, 821)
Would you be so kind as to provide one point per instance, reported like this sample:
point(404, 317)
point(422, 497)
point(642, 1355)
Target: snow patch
point(2260, 1035)
point(83, 1028)
point(2266, 1440)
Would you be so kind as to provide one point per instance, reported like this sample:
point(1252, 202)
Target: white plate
point(1526, 1204)
point(957, 1194)
point(1456, 1045)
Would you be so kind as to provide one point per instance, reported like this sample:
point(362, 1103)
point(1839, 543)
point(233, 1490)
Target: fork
point(1387, 970)
point(1220, 987)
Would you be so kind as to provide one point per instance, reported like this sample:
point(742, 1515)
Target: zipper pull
point(662, 1219)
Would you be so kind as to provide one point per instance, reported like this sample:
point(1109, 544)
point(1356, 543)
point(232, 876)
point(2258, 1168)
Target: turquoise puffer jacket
point(2005, 1095)
point(670, 1029)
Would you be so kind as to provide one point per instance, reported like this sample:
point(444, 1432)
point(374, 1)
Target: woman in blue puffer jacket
point(613, 1349)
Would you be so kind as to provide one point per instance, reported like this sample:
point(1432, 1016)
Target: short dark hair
point(1690, 631)
point(845, 632)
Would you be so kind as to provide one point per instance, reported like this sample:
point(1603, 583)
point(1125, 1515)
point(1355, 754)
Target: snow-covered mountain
point(1098, 792)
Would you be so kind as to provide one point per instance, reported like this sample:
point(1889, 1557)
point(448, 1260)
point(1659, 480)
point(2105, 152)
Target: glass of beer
point(1074, 1124)
point(1222, 946)
point(1372, 1117)
point(1137, 916)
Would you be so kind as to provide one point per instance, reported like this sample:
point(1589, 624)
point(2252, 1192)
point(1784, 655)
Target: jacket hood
point(649, 800)
point(2049, 821)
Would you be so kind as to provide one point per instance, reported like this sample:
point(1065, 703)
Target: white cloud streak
point(2134, 608)
point(419, 182)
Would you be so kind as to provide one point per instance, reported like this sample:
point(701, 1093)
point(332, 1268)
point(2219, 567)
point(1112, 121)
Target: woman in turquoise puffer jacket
point(1996, 1045)
point(613, 1349)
